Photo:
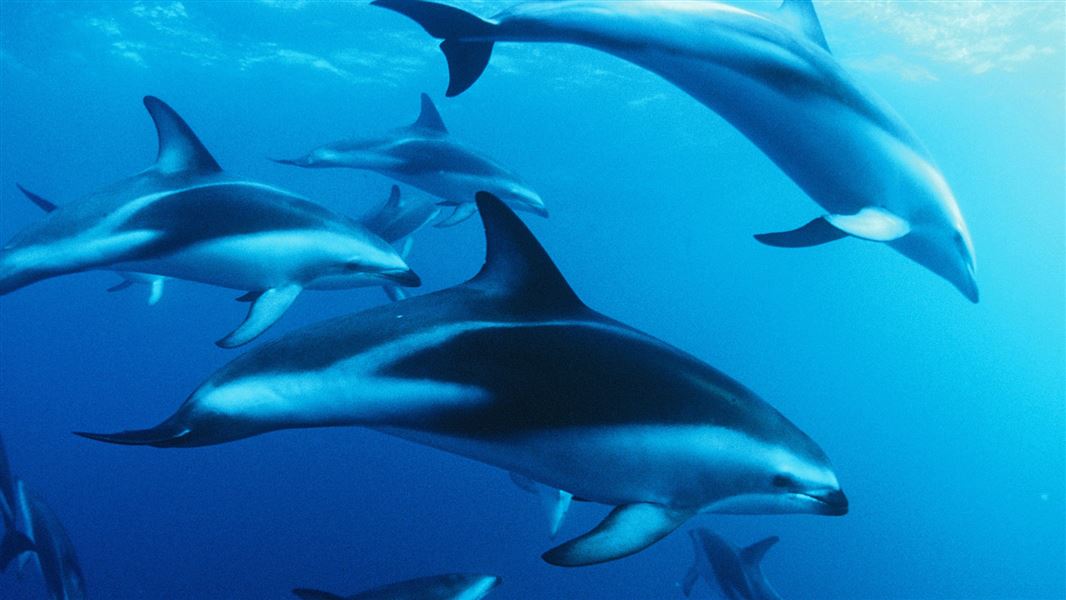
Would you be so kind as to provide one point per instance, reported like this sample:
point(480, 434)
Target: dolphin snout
point(405, 277)
point(303, 161)
point(833, 502)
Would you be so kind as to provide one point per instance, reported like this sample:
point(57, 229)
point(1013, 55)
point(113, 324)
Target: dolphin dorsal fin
point(799, 15)
point(516, 265)
point(179, 148)
point(754, 553)
point(429, 118)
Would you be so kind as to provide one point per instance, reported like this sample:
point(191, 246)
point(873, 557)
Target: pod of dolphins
point(510, 368)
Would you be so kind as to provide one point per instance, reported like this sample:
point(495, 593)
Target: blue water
point(945, 420)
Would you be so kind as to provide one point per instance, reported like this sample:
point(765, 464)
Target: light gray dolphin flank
point(184, 217)
point(454, 586)
point(737, 572)
point(513, 370)
point(427, 157)
point(772, 77)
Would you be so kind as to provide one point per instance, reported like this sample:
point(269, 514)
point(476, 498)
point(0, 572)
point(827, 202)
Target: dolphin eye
point(783, 481)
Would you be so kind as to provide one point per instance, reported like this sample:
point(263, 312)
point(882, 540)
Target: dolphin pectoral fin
point(556, 502)
point(691, 577)
point(266, 308)
point(467, 57)
point(629, 529)
point(179, 148)
point(395, 293)
point(118, 287)
point(754, 553)
point(45, 205)
point(310, 594)
point(871, 223)
point(814, 233)
point(462, 212)
point(155, 292)
point(799, 15)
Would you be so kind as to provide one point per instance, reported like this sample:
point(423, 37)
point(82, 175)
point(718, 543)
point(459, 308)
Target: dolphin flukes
point(424, 154)
point(512, 369)
point(736, 572)
point(772, 76)
point(185, 218)
point(453, 586)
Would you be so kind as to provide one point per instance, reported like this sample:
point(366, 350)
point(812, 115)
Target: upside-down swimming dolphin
point(184, 217)
point(14, 543)
point(427, 157)
point(52, 550)
point(453, 586)
point(513, 370)
point(772, 77)
point(737, 572)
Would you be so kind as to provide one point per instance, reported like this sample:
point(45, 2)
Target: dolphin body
point(454, 586)
point(513, 370)
point(737, 571)
point(52, 548)
point(184, 217)
point(14, 543)
point(772, 77)
point(425, 156)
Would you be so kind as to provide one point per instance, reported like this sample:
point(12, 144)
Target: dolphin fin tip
point(142, 437)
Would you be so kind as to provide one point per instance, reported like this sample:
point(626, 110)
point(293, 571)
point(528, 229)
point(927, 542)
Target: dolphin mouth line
point(404, 277)
point(833, 503)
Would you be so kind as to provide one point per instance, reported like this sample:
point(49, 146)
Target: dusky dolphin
point(14, 543)
point(737, 572)
point(771, 76)
point(513, 370)
point(184, 217)
point(52, 549)
point(395, 222)
point(453, 586)
point(556, 503)
point(427, 157)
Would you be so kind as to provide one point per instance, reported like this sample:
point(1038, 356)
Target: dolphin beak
point(833, 503)
point(969, 285)
point(299, 162)
point(404, 277)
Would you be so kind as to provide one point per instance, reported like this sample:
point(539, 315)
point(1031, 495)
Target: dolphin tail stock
point(629, 529)
point(467, 44)
point(311, 594)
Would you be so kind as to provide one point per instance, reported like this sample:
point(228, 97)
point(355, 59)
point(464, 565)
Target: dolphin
point(737, 571)
point(425, 156)
point(184, 217)
point(52, 548)
point(513, 370)
point(454, 586)
point(14, 543)
point(771, 76)
point(395, 222)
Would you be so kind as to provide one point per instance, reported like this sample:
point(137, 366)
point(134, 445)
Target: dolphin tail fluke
point(13, 544)
point(754, 553)
point(162, 436)
point(629, 529)
point(310, 594)
point(467, 38)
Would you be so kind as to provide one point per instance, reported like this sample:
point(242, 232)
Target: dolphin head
point(318, 158)
point(787, 473)
point(363, 259)
point(520, 197)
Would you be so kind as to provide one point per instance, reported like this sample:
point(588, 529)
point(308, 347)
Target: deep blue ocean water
point(945, 420)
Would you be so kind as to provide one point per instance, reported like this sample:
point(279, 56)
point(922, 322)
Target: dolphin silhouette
point(736, 571)
point(52, 550)
point(183, 217)
point(425, 156)
point(773, 78)
point(513, 370)
point(454, 586)
point(14, 543)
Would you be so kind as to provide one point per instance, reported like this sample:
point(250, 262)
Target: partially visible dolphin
point(513, 370)
point(772, 77)
point(184, 217)
point(54, 552)
point(396, 222)
point(14, 542)
point(425, 156)
point(454, 586)
point(737, 572)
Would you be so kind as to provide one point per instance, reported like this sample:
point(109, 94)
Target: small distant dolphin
point(513, 370)
point(394, 222)
point(52, 548)
point(736, 571)
point(456, 586)
point(14, 543)
point(425, 156)
point(184, 217)
point(773, 78)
